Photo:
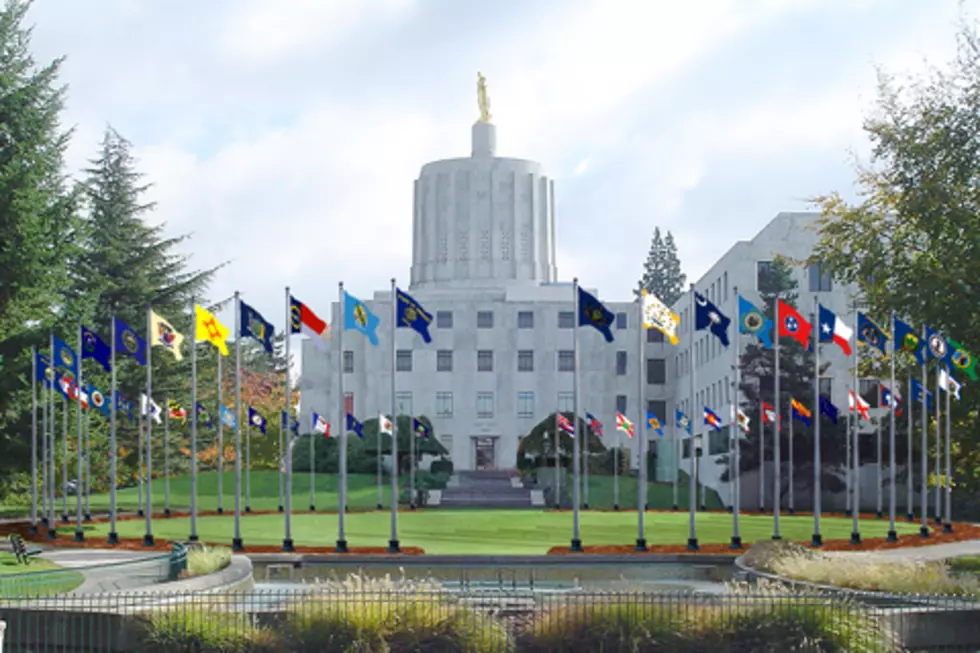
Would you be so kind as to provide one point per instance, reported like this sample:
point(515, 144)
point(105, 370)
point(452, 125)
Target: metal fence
point(369, 618)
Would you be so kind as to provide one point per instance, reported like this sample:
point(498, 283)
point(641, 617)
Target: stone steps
point(485, 489)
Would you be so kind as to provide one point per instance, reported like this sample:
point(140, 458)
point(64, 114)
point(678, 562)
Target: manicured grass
point(445, 531)
point(39, 578)
point(9, 565)
point(660, 496)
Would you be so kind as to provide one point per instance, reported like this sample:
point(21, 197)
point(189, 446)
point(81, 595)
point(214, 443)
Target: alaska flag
point(355, 426)
point(64, 357)
point(357, 317)
point(591, 312)
point(917, 394)
point(253, 325)
point(411, 314)
point(906, 339)
point(129, 342)
point(419, 427)
point(869, 332)
point(682, 420)
point(828, 408)
point(256, 420)
point(93, 347)
point(707, 316)
point(752, 320)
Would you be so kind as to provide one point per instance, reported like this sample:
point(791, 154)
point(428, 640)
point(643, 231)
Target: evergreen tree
point(662, 274)
point(37, 223)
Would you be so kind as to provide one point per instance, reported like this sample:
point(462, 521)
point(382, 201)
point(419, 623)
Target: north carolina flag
point(833, 329)
point(303, 320)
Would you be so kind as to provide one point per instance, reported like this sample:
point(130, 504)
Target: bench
point(22, 552)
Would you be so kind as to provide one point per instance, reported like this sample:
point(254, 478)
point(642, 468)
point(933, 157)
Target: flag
point(654, 424)
point(707, 316)
point(948, 384)
point(357, 317)
point(420, 428)
point(890, 400)
point(303, 320)
point(93, 347)
point(129, 342)
point(682, 420)
point(591, 312)
point(320, 424)
point(908, 340)
point(208, 329)
point(800, 411)
point(871, 334)
point(711, 419)
point(163, 334)
point(743, 420)
point(828, 408)
point(176, 411)
point(149, 408)
point(256, 419)
point(204, 417)
point(411, 314)
point(253, 325)
point(68, 388)
point(862, 405)
point(920, 394)
point(43, 372)
point(936, 345)
point(594, 423)
point(624, 425)
point(125, 405)
point(768, 414)
point(962, 360)
point(228, 417)
point(285, 424)
point(565, 425)
point(65, 357)
point(752, 320)
point(833, 329)
point(385, 425)
point(792, 324)
point(97, 399)
point(657, 315)
point(355, 426)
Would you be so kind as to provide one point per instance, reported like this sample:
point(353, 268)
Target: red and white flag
point(624, 424)
point(862, 406)
point(565, 425)
point(768, 413)
point(303, 320)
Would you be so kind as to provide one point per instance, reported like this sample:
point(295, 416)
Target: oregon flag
point(208, 329)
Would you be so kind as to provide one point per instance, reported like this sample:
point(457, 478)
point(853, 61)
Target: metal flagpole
point(379, 469)
point(762, 454)
point(879, 479)
point(148, 537)
point(616, 471)
point(139, 457)
point(776, 456)
point(948, 526)
point(52, 532)
point(236, 543)
point(282, 442)
point(34, 438)
point(248, 464)
point(64, 460)
point(113, 406)
point(88, 464)
point(557, 465)
point(817, 539)
point(790, 508)
point(924, 453)
point(938, 518)
point(893, 404)
point(79, 533)
point(43, 437)
point(221, 438)
point(287, 539)
point(642, 424)
point(393, 546)
point(909, 497)
point(576, 544)
point(692, 535)
point(166, 456)
point(312, 470)
point(849, 497)
point(733, 428)
point(194, 420)
point(585, 468)
point(856, 448)
point(341, 427)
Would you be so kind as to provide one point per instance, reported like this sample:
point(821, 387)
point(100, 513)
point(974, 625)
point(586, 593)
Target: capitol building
point(501, 357)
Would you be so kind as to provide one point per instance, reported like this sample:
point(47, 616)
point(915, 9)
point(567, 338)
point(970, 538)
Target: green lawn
point(39, 577)
point(448, 531)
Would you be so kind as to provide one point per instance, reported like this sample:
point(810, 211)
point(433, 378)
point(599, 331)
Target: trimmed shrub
point(442, 466)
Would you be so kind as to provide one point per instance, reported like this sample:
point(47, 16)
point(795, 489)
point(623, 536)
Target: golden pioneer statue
point(482, 99)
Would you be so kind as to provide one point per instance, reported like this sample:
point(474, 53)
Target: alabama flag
point(303, 320)
point(833, 329)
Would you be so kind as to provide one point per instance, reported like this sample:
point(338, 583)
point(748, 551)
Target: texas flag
point(862, 406)
point(711, 419)
point(792, 324)
point(833, 329)
point(303, 320)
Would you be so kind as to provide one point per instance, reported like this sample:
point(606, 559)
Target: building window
point(566, 361)
point(525, 319)
point(826, 387)
point(447, 442)
point(566, 319)
point(484, 361)
point(869, 391)
point(348, 362)
point(444, 360)
point(621, 404)
point(762, 269)
point(656, 371)
point(444, 319)
point(658, 408)
point(484, 405)
point(525, 404)
point(718, 442)
point(725, 277)
point(566, 402)
point(403, 360)
point(525, 360)
point(484, 319)
point(349, 403)
point(403, 403)
point(820, 280)
point(444, 404)
point(621, 322)
point(620, 363)
point(655, 335)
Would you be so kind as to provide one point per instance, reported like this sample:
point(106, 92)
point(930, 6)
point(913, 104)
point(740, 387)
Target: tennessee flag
point(210, 330)
point(792, 324)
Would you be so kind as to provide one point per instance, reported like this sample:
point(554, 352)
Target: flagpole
point(43, 439)
point(378, 466)
point(734, 473)
point(148, 537)
point(166, 456)
point(34, 439)
point(221, 439)
point(52, 532)
point(692, 535)
point(817, 539)
point(79, 533)
point(248, 465)
point(114, 399)
point(64, 458)
point(342, 427)
point(924, 453)
point(879, 480)
point(856, 471)
point(777, 457)
point(393, 545)
point(576, 545)
point(557, 464)
point(236, 543)
point(762, 453)
point(790, 507)
point(616, 471)
point(948, 526)
point(909, 493)
point(893, 405)
point(194, 420)
point(139, 457)
point(282, 442)
point(938, 515)
point(88, 464)
point(642, 424)
point(287, 510)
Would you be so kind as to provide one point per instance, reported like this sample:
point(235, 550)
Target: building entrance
point(485, 453)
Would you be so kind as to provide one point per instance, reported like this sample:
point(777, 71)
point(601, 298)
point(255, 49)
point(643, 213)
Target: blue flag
point(43, 372)
point(204, 417)
point(419, 427)
point(93, 347)
point(936, 345)
point(129, 342)
point(294, 428)
point(355, 426)
point(707, 316)
point(228, 417)
point(654, 423)
point(683, 421)
point(357, 317)
point(253, 325)
point(592, 313)
point(919, 392)
point(256, 419)
point(411, 314)
point(906, 339)
point(712, 419)
point(97, 399)
point(871, 334)
point(828, 408)
point(752, 320)
point(125, 406)
point(65, 358)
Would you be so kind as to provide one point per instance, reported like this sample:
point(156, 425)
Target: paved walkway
point(105, 571)
point(933, 552)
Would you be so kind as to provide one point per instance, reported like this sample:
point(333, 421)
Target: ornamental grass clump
point(190, 628)
point(203, 560)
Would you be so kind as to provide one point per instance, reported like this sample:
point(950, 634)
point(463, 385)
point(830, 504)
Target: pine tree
point(37, 221)
point(662, 274)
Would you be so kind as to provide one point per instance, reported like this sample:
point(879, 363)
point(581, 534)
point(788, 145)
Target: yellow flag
point(163, 334)
point(210, 330)
point(657, 315)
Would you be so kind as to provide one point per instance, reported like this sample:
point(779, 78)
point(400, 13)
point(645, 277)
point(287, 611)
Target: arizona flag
point(792, 324)
point(303, 320)
point(624, 425)
point(833, 329)
point(565, 425)
point(711, 419)
point(862, 406)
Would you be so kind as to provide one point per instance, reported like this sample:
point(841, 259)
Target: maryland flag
point(208, 329)
point(175, 411)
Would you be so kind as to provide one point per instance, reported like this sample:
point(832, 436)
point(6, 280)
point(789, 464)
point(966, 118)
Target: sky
point(284, 136)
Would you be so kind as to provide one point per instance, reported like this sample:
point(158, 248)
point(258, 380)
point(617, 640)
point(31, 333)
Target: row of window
point(404, 362)
point(525, 320)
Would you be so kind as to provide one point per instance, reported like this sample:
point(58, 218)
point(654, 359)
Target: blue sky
point(286, 135)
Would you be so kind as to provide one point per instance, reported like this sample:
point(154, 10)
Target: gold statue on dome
point(482, 99)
